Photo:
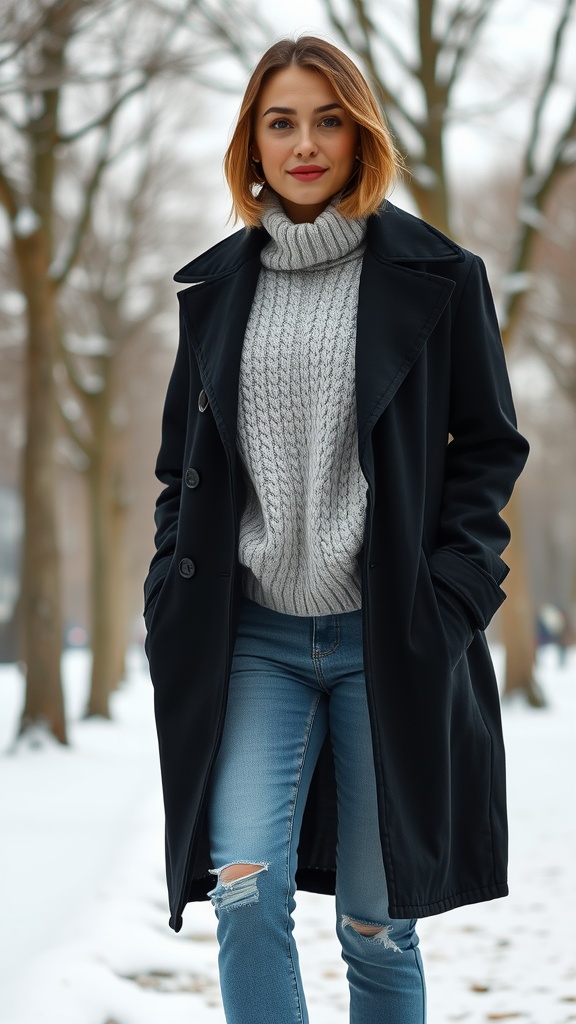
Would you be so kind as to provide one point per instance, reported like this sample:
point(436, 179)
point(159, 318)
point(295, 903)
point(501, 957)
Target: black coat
point(429, 364)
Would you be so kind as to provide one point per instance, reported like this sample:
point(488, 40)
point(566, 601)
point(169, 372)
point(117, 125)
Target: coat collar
point(392, 235)
point(397, 312)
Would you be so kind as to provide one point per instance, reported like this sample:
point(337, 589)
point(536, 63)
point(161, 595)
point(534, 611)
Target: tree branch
point(564, 376)
point(560, 162)
point(229, 34)
point(28, 34)
point(84, 218)
point(388, 98)
point(97, 12)
point(139, 199)
point(72, 376)
point(535, 192)
point(338, 25)
point(74, 435)
point(6, 116)
point(457, 16)
point(159, 59)
point(463, 50)
point(535, 131)
point(105, 119)
point(369, 30)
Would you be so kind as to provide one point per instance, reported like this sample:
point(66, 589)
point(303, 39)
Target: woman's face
point(306, 141)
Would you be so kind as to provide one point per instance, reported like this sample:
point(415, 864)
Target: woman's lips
point(308, 173)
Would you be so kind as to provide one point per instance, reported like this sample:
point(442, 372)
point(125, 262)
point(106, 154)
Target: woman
point(326, 562)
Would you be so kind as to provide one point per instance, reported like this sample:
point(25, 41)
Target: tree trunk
point(517, 617)
point(107, 523)
point(40, 598)
point(432, 206)
point(119, 571)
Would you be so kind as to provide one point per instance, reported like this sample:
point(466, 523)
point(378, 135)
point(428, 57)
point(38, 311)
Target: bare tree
point(549, 326)
point(416, 73)
point(540, 176)
point(69, 72)
point(11, 303)
point(415, 62)
point(120, 288)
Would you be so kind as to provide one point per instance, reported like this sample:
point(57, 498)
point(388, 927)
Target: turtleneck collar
point(329, 240)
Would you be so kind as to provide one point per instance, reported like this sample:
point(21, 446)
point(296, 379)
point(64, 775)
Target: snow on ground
point(84, 937)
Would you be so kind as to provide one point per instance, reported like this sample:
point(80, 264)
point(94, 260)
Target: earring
point(257, 167)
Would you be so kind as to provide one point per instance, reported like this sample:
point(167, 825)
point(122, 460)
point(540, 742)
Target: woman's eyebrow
point(290, 110)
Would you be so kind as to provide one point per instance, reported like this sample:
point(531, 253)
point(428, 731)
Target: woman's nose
point(305, 145)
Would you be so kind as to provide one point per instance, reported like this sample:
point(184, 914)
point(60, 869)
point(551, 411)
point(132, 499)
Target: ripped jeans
point(294, 679)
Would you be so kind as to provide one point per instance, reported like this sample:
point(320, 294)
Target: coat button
point(192, 478)
point(202, 401)
point(187, 568)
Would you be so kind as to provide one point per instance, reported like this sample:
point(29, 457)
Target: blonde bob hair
point(379, 163)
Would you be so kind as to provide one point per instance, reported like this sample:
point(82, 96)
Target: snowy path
point(83, 928)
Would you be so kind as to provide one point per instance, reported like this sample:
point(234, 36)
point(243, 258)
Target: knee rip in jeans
point(374, 932)
point(237, 885)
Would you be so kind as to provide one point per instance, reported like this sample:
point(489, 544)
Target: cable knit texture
point(303, 523)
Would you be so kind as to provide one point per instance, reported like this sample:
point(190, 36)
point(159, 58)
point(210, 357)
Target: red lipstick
point(307, 172)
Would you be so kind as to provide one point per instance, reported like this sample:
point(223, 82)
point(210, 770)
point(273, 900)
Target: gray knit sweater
point(303, 523)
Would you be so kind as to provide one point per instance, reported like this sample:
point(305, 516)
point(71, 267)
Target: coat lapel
point(398, 307)
point(216, 314)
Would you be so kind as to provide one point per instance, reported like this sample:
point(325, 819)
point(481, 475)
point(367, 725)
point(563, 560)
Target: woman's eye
point(327, 122)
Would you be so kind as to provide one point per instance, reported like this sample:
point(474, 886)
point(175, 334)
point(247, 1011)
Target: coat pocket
point(469, 584)
point(453, 624)
point(152, 587)
point(456, 625)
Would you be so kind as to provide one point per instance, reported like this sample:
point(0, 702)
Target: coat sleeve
point(483, 460)
point(169, 470)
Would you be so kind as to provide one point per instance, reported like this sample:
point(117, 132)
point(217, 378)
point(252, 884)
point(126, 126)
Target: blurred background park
point(114, 117)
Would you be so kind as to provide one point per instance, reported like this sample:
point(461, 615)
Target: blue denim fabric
point(294, 678)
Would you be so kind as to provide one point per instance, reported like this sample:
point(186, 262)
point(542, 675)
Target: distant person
point(326, 563)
